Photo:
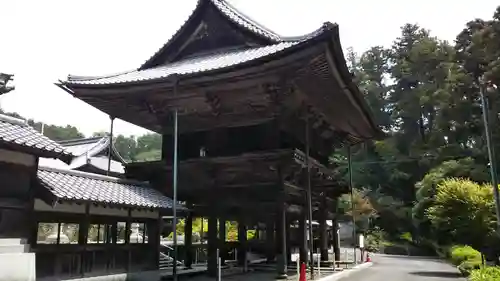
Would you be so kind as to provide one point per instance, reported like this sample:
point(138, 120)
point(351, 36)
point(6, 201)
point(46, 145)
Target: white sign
point(361, 241)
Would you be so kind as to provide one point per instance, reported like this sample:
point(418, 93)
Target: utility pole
point(110, 148)
point(309, 197)
point(351, 189)
point(174, 184)
point(490, 89)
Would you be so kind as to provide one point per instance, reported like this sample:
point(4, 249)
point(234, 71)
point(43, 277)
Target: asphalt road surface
point(402, 268)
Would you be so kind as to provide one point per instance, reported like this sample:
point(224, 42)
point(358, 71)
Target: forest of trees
point(424, 93)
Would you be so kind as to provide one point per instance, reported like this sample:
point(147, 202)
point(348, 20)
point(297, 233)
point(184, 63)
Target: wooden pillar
point(153, 243)
point(188, 262)
point(222, 241)
point(281, 257)
point(335, 233)
point(270, 254)
point(323, 232)
point(157, 243)
point(114, 239)
point(309, 194)
point(83, 233)
point(303, 236)
point(288, 240)
point(242, 239)
point(33, 223)
point(212, 246)
point(127, 239)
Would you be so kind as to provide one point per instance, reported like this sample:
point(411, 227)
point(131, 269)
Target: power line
point(344, 164)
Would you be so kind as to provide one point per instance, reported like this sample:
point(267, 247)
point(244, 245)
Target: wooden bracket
point(214, 101)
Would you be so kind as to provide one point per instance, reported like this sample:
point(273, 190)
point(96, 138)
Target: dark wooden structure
point(259, 117)
point(20, 148)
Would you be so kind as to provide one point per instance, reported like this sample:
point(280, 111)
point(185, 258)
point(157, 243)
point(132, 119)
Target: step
point(7, 249)
point(12, 241)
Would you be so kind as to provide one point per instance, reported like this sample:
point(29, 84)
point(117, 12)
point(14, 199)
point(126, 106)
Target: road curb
point(346, 273)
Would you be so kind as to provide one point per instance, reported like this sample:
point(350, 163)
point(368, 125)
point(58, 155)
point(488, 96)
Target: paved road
point(402, 268)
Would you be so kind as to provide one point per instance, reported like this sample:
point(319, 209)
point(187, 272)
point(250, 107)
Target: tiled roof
point(99, 162)
point(91, 147)
point(80, 186)
point(231, 14)
point(249, 24)
point(245, 21)
point(203, 63)
point(189, 66)
point(82, 145)
point(18, 133)
point(88, 151)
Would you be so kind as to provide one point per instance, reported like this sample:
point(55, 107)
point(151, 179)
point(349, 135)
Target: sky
point(43, 41)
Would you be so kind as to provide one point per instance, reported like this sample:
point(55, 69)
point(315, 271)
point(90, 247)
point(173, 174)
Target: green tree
point(463, 212)
point(465, 168)
point(143, 148)
point(57, 133)
point(126, 147)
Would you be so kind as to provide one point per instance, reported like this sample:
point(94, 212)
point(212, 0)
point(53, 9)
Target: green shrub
point(463, 212)
point(485, 274)
point(396, 250)
point(468, 266)
point(406, 237)
point(374, 240)
point(459, 254)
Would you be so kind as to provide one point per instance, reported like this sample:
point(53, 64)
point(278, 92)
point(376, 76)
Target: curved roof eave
point(341, 65)
point(106, 144)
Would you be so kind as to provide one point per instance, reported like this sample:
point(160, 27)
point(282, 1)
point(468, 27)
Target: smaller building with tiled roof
point(17, 135)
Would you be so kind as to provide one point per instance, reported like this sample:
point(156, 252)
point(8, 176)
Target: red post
point(302, 272)
point(368, 259)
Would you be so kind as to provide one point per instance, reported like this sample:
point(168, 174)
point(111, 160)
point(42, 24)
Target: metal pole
point(174, 209)
point(110, 144)
point(319, 264)
point(298, 268)
point(201, 231)
point(491, 151)
point(309, 197)
point(349, 165)
point(219, 271)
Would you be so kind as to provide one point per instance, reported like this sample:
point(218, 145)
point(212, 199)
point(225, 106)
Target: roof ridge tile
point(92, 176)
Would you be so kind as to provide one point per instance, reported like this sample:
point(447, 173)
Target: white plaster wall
point(15, 157)
point(17, 267)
